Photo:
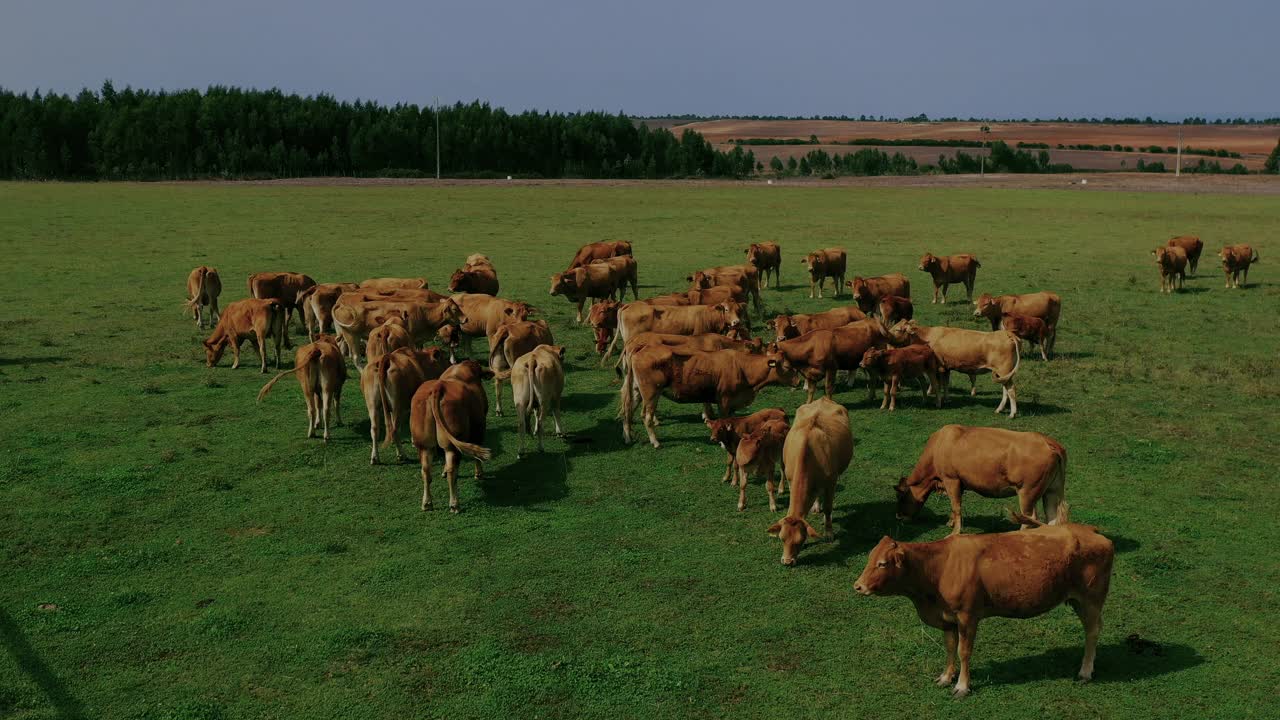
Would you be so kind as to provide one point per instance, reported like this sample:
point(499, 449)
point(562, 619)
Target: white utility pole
point(437, 111)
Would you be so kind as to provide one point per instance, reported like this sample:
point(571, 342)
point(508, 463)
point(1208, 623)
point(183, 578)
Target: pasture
point(174, 550)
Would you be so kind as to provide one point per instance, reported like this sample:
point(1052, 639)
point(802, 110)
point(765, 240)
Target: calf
point(625, 270)
point(820, 354)
point(317, 304)
point(388, 385)
point(321, 372)
point(282, 286)
point(1236, 260)
point(248, 319)
point(1044, 305)
point(823, 264)
point(204, 285)
point(1191, 245)
point(599, 251)
point(481, 279)
point(818, 449)
point(897, 364)
point(759, 452)
point(744, 277)
point(389, 284)
point(511, 342)
point(636, 318)
point(950, 269)
point(537, 381)
point(868, 291)
point(449, 415)
point(390, 335)
point(992, 462)
point(766, 257)
point(956, 582)
point(1172, 263)
point(894, 308)
point(1031, 329)
point(727, 431)
point(594, 281)
point(970, 352)
point(787, 327)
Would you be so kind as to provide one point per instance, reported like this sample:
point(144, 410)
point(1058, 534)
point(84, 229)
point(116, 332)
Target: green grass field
point(174, 550)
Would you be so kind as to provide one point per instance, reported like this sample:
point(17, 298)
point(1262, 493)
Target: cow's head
point(753, 254)
point(732, 313)
point(889, 309)
point(467, 371)
point(449, 335)
point(793, 532)
point(517, 311)
point(904, 332)
point(986, 306)
point(816, 262)
point(564, 283)
point(621, 247)
point(911, 496)
point(785, 328)
point(213, 350)
point(451, 312)
point(738, 332)
point(460, 281)
point(781, 370)
point(929, 263)
point(872, 358)
point(603, 314)
point(701, 280)
point(723, 431)
point(859, 287)
point(884, 568)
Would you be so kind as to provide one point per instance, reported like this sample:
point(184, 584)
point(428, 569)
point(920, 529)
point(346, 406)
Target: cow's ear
point(899, 556)
point(775, 528)
point(508, 311)
point(560, 352)
point(813, 532)
point(689, 278)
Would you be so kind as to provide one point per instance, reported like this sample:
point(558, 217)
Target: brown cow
point(594, 281)
point(893, 308)
point(249, 319)
point(599, 251)
point(765, 257)
point(992, 462)
point(728, 378)
point(1172, 263)
point(422, 319)
point(1031, 329)
point(1236, 260)
point(511, 342)
point(282, 286)
point(744, 277)
point(818, 449)
point(819, 354)
point(481, 279)
point(537, 382)
point(897, 364)
point(317, 304)
point(971, 352)
point(625, 269)
point(204, 285)
point(823, 264)
point(449, 415)
point(759, 452)
point(685, 344)
point(787, 327)
point(388, 284)
point(635, 318)
point(868, 291)
point(390, 335)
point(321, 372)
point(950, 269)
point(1191, 245)
point(1044, 305)
point(484, 313)
point(727, 431)
point(388, 385)
point(956, 582)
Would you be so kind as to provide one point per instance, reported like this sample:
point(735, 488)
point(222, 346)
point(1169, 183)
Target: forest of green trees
point(232, 133)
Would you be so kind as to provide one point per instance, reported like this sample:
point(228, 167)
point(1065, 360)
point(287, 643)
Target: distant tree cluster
point(1272, 164)
point(234, 133)
point(1002, 159)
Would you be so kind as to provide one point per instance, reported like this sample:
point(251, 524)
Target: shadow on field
point(1116, 662)
point(535, 478)
point(1070, 355)
point(859, 527)
point(24, 656)
point(38, 360)
point(580, 401)
point(1192, 290)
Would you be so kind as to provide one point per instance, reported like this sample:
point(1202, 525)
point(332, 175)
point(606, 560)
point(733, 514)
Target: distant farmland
point(1252, 142)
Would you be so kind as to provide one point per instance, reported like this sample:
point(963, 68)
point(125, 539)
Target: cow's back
point(1029, 572)
point(819, 442)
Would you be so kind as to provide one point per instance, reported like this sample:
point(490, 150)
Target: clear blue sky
point(1001, 58)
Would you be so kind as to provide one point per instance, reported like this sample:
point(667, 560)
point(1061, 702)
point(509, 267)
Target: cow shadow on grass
point(857, 528)
point(586, 401)
point(536, 478)
point(65, 705)
point(1124, 661)
point(1070, 355)
point(35, 360)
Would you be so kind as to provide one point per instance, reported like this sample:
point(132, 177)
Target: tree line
point(233, 133)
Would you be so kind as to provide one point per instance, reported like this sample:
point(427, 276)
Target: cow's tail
point(1017, 360)
point(249, 283)
point(471, 450)
point(310, 358)
point(617, 333)
point(626, 408)
point(1055, 494)
point(388, 415)
point(502, 374)
point(976, 263)
point(1255, 258)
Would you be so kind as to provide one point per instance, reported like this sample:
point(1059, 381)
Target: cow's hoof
point(428, 507)
point(959, 692)
point(944, 680)
point(656, 445)
point(455, 509)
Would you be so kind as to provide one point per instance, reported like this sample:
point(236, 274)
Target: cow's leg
point(771, 487)
point(888, 387)
point(706, 412)
point(1013, 400)
point(579, 318)
point(829, 383)
point(893, 388)
point(808, 388)
point(954, 493)
point(540, 422)
point(497, 395)
point(742, 488)
point(522, 426)
point(373, 405)
point(199, 315)
point(311, 414)
point(261, 341)
point(235, 350)
point(424, 458)
point(650, 418)
point(1090, 614)
point(214, 313)
point(451, 474)
point(325, 400)
point(728, 469)
point(968, 630)
point(1027, 506)
point(1004, 398)
point(948, 675)
point(973, 384)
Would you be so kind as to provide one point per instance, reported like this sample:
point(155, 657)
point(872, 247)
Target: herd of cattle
point(695, 347)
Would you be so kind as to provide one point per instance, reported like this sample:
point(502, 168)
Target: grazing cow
point(449, 415)
point(321, 372)
point(599, 251)
point(481, 279)
point(1172, 263)
point(484, 313)
point(1031, 329)
point(390, 335)
point(893, 308)
point(511, 342)
point(818, 448)
point(602, 318)
point(422, 319)
point(956, 582)
point(204, 285)
point(537, 381)
point(787, 327)
point(1236, 260)
point(1192, 246)
point(971, 352)
point(744, 277)
point(282, 286)
point(390, 284)
point(317, 304)
point(248, 319)
point(765, 257)
point(992, 462)
point(897, 364)
point(950, 269)
point(728, 378)
point(388, 385)
point(594, 281)
point(727, 431)
point(625, 269)
point(759, 452)
point(823, 264)
point(868, 291)
point(635, 318)
point(1044, 305)
point(819, 354)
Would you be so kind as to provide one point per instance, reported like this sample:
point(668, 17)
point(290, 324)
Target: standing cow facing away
point(283, 286)
point(321, 371)
point(956, 582)
point(1172, 263)
point(388, 385)
point(1236, 260)
point(537, 381)
point(389, 336)
point(247, 319)
point(1192, 246)
point(766, 257)
point(950, 269)
point(511, 342)
point(317, 304)
point(818, 448)
point(823, 264)
point(204, 285)
point(449, 415)
point(992, 462)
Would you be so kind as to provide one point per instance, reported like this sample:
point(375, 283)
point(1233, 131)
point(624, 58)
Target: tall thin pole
point(437, 103)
